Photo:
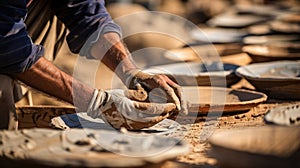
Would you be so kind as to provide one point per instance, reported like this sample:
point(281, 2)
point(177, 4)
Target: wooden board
point(202, 100)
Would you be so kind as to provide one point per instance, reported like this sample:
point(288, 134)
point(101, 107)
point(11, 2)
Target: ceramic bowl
point(274, 52)
point(278, 79)
point(198, 74)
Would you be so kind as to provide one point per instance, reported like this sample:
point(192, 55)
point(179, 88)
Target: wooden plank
point(40, 116)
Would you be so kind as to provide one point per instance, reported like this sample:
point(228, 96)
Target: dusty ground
point(201, 154)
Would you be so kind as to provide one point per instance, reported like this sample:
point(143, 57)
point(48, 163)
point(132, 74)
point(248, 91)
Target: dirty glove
point(116, 109)
point(160, 88)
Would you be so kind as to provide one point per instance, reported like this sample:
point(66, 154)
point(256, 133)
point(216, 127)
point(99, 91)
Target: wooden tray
point(198, 74)
point(278, 79)
point(280, 51)
point(216, 99)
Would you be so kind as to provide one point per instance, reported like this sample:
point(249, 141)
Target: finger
point(179, 92)
point(172, 94)
point(153, 108)
point(139, 95)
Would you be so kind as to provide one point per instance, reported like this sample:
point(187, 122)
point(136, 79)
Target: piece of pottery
point(203, 100)
point(259, 29)
point(236, 21)
point(268, 146)
point(290, 18)
point(198, 74)
point(273, 52)
point(288, 115)
point(269, 39)
point(278, 79)
point(285, 27)
point(85, 148)
point(197, 52)
point(216, 35)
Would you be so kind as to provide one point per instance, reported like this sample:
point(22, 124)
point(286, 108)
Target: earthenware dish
point(278, 79)
point(268, 146)
point(236, 21)
point(203, 100)
point(198, 74)
point(273, 52)
point(269, 39)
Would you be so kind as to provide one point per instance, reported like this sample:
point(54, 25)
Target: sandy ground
point(201, 154)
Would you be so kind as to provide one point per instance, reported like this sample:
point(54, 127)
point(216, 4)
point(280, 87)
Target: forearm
point(114, 54)
point(46, 77)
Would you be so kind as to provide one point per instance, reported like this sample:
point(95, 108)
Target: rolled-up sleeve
point(84, 18)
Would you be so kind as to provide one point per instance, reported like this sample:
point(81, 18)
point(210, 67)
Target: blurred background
point(226, 28)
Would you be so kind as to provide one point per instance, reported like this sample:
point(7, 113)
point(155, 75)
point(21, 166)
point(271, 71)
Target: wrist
point(99, 98)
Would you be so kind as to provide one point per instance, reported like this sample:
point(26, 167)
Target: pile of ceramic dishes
point(281, 41)
point(279, 79)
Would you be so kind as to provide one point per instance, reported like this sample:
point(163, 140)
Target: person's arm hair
point(113, 53)
point(46, 77)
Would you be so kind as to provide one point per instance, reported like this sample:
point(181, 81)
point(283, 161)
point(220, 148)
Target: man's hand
point(160, 88)
point(113, 53)
point(119, 111)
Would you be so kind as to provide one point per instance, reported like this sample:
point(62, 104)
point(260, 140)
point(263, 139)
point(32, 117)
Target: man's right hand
point(116, 109)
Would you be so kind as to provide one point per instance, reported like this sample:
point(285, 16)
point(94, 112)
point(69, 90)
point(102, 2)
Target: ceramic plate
point(273, 52)
point(236, 21)
point(269, 39)
point(198, 74)
point(217, 99)
point(269, 146)
point(278, 79)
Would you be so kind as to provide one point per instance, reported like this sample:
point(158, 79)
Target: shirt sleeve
point(84, 18)
point(17, 52)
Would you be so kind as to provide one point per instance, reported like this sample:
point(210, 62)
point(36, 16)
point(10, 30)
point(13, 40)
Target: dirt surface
point(201, 154)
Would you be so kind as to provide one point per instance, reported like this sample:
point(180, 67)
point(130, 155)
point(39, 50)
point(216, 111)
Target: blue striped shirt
point(81, 17)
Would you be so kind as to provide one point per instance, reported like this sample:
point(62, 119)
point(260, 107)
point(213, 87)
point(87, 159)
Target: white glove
point(116, 109)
